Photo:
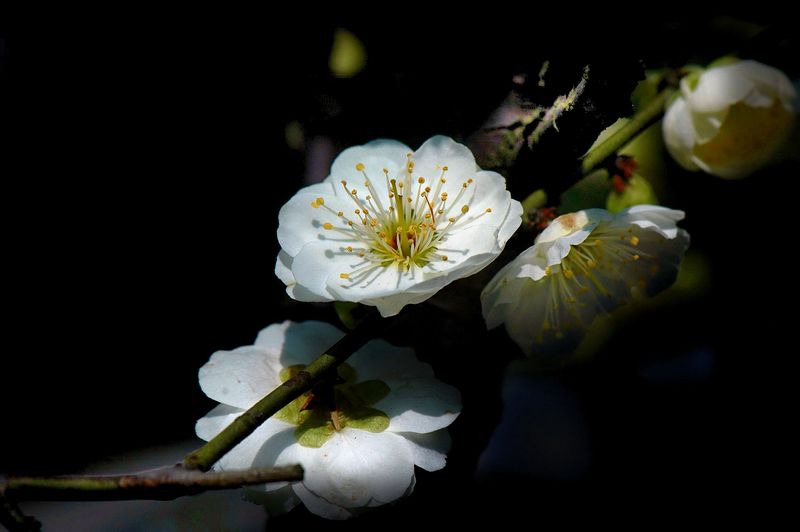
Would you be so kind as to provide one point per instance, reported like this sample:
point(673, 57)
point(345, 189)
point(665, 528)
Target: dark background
point(143, 164)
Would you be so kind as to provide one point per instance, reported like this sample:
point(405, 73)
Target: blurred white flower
point(584, 263)
point(732, 120)
point(390, 227)
point(357, 442)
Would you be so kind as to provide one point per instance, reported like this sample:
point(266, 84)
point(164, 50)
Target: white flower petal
point(386, 362)
point(276, 500)
point(496, 296)
point(659, 219)
point(440, 151)
point(244, 455)
point(299, 222)
point(283, 271)
point(510, 223)
point(355, 466)
point(679, 134)
point(420, 405)
point(429, 450)
point(375, 156)
point(319, 506)
point(298, 343)
point(719, 88)
point(215, 421)
point(240, 377)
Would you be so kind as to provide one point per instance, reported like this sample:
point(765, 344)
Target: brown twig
point(161, 484)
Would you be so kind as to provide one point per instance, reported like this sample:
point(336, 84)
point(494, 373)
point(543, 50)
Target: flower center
point(593, 265)
point(407, 226)
point(328, 408)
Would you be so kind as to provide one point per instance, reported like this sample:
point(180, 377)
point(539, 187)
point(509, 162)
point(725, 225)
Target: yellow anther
point(349, 248)
point(568, 274)
point(465, 209)
point(444, 258)
point(469, 180)
point(548, 270)
point(636, 257)
point(360, 167)
point(344, 276)
point(488, 209)
point(444, 168)
point(340, 213)
point(421, 180)
point(634, 241)
point(327, 225)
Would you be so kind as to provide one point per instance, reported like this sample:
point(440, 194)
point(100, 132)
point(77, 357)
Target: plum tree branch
point(163, 484)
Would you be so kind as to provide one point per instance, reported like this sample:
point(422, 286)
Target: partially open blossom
point(584, 263)
point(732, 120)
point(358, 439)
point(390, 227)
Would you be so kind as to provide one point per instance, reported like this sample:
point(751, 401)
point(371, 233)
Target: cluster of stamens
point(409, 228)
point(603, 251)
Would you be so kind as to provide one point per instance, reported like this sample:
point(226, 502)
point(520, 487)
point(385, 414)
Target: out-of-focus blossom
point(583, 264)
point(731, 120)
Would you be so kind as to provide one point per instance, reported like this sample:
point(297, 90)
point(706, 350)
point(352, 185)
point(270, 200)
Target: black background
point(143, 165)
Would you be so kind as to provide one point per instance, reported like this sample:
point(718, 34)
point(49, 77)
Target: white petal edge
point(679, 134)
point(420, 405)
point(240, 377)
point(429, 450)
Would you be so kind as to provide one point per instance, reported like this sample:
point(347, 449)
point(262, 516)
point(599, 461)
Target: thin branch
point(638, 122)
point(160, 484)
point(204, 457)
point(562, 104)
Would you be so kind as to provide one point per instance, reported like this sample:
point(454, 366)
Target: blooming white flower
point(358, 442)
point(584, 263)
point(390, 227)
point(733, 121)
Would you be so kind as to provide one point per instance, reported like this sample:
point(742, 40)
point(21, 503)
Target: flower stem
point(638, 122)
point(204, 457)
point(160, 484)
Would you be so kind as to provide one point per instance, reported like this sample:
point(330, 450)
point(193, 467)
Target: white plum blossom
point(583, 264)
point(391, 227)
point(358, 440)
point(732, 120)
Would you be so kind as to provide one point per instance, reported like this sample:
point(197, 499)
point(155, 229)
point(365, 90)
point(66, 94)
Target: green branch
point(204, 457)
point(650, 113)
point(160, 484)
